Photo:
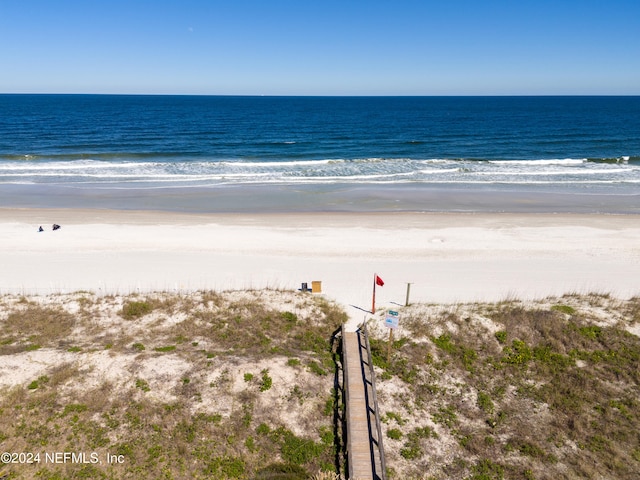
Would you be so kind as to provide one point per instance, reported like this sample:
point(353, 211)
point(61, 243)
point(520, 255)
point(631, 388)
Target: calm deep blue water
point(106, 141)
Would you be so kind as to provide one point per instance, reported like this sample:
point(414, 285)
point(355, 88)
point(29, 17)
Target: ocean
point(185, 152)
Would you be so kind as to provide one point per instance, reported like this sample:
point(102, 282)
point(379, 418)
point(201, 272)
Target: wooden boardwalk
point(365, 455)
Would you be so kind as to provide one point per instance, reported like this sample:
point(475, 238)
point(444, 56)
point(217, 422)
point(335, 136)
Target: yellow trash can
point(316, 286)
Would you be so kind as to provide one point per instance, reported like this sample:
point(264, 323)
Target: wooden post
point(373, 302)
point(389, 346)
point(406, 302)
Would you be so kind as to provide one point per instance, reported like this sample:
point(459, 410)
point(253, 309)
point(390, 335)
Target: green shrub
point(226, 467)
point(394, 434)
point(142, 385)
point(37, 383)
point(267, 381)
point(131, 310)
point(412, 448)
point(393, 416)
point(282, 471)
point(411, 451)
point(289, 317)
point(564, 309)
point(445, 416)
point(263, 429)
point(487, 470)
point(250, 444)
point(443, 342)
point(74, 408)
point(466, 355)
point(518, 354)
point(485, 403)
point(329, 404)
point(326, 435)
point(555, 361)
point(592, 332)
point(316, 368)
point(531, 450)
point(168, 348)
point(298, 450)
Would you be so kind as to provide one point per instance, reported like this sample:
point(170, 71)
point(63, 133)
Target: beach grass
point(194, 412)
point(241, 385)
point(546, 389)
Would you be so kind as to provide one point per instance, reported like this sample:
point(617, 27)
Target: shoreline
point(447, 257)
point(332, 198)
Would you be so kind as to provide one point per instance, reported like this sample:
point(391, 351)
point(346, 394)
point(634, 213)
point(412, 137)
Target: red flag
point(379, 281)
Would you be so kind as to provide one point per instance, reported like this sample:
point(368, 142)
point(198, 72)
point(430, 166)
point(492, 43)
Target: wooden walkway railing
point(364, 449)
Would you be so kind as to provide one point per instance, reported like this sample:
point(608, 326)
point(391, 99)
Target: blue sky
point(305, 47)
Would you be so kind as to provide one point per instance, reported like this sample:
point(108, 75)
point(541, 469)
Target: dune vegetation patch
point(534, 390)
point(204, 385)
point(242, 385)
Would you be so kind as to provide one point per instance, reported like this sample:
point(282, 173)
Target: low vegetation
point(241, 385)
point(513, 390)
point(169, 386)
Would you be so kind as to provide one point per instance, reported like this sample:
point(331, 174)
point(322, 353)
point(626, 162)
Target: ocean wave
point(572, 173)
point(440, 160)
point(615, 160)
point(552, 161)
point(435, 171)
point(271, 164)
point(333, 170)
point(96, 156)
point(71, 165)
point(357, 177)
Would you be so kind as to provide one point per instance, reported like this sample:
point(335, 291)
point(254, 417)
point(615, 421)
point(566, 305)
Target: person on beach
point(40, 229)
point(56, 226)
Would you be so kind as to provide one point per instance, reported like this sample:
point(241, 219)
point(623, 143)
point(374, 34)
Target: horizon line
point(125, 94)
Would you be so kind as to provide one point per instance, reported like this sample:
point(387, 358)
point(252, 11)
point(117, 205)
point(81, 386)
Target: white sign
point(392, 319)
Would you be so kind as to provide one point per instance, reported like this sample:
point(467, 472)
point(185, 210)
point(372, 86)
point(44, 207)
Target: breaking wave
point(127, 169)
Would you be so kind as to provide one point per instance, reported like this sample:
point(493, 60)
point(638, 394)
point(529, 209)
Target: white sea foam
point(555, 172)
point(434, 171)
point(71, 165)
point(292, 163)
point(557, 161)
point(439, 160)
point(361, 177)
point(373, 170)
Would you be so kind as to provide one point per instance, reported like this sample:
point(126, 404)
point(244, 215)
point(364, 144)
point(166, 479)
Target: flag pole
point(373, 302)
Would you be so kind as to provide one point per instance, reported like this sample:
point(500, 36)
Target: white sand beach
point(446, 257)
